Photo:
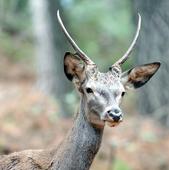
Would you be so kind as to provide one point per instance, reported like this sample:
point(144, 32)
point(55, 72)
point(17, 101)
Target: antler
point(126, 55)
point(79, 52)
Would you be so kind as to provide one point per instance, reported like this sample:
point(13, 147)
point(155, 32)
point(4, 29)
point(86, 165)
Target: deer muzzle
point(113, 117)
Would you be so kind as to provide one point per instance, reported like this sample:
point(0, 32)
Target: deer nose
point(115, 114)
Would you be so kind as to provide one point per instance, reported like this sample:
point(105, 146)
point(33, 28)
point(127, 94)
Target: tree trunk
point(153, 45)
point(50, 49)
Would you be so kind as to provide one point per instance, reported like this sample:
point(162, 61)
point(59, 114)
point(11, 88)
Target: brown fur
point(139, 73)
point(28, 159)
point(79, 148)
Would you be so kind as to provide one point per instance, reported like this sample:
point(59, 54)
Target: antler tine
point(126, 55)
point(80, 53)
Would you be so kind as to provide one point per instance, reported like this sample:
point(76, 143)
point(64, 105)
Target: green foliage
point(15, 34)
point(14, 47)
point(13, 15)
point(102, 28)
point(120, 165)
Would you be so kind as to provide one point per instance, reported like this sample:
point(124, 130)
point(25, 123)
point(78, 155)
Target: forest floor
point(28, 119)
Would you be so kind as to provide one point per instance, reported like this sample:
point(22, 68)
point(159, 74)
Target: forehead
point(105, 80)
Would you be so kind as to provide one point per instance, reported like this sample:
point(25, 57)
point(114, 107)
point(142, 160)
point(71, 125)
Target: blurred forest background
point(37, 102)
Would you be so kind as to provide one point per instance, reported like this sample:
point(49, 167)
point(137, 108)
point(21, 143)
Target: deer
point(100, 98)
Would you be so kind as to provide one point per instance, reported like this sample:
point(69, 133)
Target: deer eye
point(89, 90)
point(123, 93)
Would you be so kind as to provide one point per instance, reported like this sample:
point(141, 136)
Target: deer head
point(102, 92)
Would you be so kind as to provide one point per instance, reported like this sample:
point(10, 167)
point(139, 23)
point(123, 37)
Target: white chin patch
point(112, 124)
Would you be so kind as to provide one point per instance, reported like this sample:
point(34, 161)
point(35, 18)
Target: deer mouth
point(113, 124)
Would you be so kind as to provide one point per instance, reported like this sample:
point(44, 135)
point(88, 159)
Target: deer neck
point(79, 148)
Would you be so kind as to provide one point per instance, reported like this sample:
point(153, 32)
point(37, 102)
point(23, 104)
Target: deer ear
point(138, 76)
point(73, 66)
